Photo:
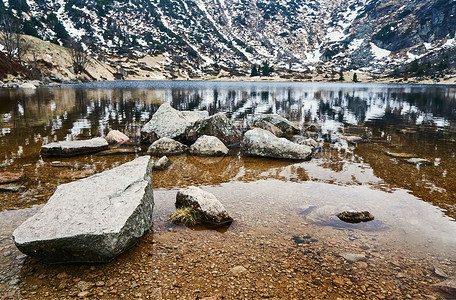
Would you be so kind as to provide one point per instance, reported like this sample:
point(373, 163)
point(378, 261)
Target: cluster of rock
point(174, 132)
point(51, 81)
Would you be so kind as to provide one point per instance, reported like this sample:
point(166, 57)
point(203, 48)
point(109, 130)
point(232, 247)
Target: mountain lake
point(286, 241)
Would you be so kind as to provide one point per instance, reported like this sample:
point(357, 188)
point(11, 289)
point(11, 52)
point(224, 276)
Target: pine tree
point(254, 71)
point(341, 75)
point(355, 77)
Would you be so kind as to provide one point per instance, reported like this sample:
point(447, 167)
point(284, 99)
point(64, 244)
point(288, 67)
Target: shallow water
point(285, 232)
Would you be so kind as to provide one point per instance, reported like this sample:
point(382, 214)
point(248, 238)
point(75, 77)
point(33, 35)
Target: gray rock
point(167, 146)
point(447, 287)
point(263, 124)
point(278, 121)
point(27, 85)
point(353, 257)
point(115, 137)
point(11, 85)
point(352, 139)
point(210, 210)
point(161, 164)
point(208, 146)
point(92, 219)
point(260, 142)
point(301, 140)
point(238, 270)
point(73, 148)
point(169, 122)
point(217, 125)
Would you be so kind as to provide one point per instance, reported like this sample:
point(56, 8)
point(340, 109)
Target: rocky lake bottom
point(285, 241)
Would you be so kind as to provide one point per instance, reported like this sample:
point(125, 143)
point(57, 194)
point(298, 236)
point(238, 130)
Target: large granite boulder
point(266, 120)
point(169, 122)
point(217, 125)
point(260, 142)
point(208, 146)
point(167, 146)
point(205, 204)
point(92, 219)
point(73, 148)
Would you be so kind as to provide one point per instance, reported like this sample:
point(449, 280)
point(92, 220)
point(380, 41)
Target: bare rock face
point(205, 204)
point(73, 148)
point(169, 122)
point(260, 142)
point(167, 146)
point(208, 146)
point(217, 125)
point(92, 219)
point(277, 121)
point(116, 137)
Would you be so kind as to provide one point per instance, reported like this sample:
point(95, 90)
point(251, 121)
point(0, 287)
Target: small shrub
point(185, 216)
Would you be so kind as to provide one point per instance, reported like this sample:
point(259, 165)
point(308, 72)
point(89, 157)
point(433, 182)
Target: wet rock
point(205, 204)
point(116, 137)
point(11, 187)
point(353, 257)
point(301, 140)
point(312, 127)
point(355, 216)
point(84, 285)
point(208, 146)
point(238, 270)
point(352, 139)
point(169, 122)
point(217, 125)
point(73, 148)
point(162, 164)
point(439, 272)
point(8, 177)
point(167, 146)
point(400, 155)
point(448, 287)
point(116, 151)
point(263, 124)
point(418, 161)
point(27, 85)
point(259, 142)
point(93, 219)
point(278, 121)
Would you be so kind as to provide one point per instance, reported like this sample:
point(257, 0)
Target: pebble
point(353, 257)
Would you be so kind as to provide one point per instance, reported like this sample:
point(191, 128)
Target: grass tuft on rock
point(185, 216)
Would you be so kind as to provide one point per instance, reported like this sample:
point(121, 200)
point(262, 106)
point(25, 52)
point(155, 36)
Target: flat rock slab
point(260, 142)
point(93, 219)
point(73, 148)
point(116, 151)
point(8, 177)
point(11, 187)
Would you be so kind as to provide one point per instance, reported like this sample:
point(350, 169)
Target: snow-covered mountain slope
point(371, 35)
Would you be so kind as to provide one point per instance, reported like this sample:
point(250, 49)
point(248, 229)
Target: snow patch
point(378, 52)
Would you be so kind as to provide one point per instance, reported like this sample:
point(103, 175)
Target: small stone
point(167, 146)
point(8, 177)
point(355, 216)
point(100, 283)
point(84, 285)
point(62, 275)
point(83, 294)
point(353, 257)
point(162, 164)
point(361, 265)
point(115, 137)
point(440, 272)
point(238, 270)
point(338, 281)
point(418, 161)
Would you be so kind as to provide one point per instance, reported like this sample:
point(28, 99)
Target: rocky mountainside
point(206, 35)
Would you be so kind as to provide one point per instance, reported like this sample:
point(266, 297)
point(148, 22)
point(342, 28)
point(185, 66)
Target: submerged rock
point(115, 137)
point(73, 148)
point(93, 219)
point(217, 125)
point(167, 146)
point(208, 146)
point(353, 257)
point(418, 161)
point(169, 122)
point(301, 140)
point(355, 216)
point(260, 142)
point(400, 155)
point(447, 287)
point(161, 164)
point(205, 204)
point(8, 177)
